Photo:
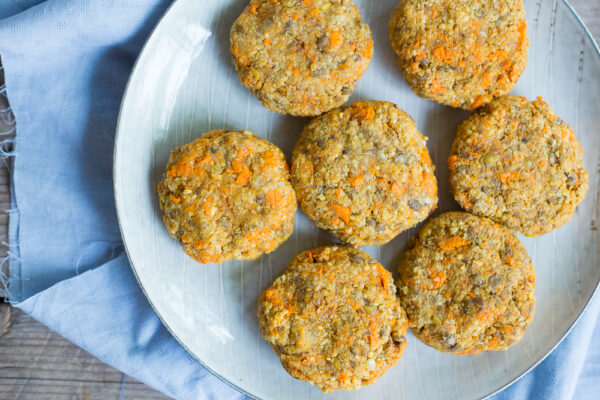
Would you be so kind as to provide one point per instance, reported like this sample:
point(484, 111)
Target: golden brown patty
point(467, 285)
point(363, 173)
point(301, 57)
point(334, 319)
point(461, 53)
point(227, 196)
point(517, 163)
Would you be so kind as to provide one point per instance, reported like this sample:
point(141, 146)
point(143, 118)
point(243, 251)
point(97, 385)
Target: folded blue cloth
point(66, 64)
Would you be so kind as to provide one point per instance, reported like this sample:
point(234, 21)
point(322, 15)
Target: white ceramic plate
point(184, 84)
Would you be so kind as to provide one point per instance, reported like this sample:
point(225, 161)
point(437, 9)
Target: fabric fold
point(104, 312)
point(66, 66)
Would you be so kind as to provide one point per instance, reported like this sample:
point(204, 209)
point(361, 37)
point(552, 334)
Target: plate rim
point(119, 207)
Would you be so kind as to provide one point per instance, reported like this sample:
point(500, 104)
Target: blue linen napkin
point(66, 64)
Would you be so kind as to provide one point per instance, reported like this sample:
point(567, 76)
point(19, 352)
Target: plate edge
point(231, 384)
point(596, 290)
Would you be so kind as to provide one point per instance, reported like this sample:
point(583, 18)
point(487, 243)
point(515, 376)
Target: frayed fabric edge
point(8, 281)
point(7, 149)
point(11, 281)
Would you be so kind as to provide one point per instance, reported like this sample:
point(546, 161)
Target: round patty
point(334, 319)
point(517, 163)
point(461, 53)
point(301, 57)
point(467, 285)
point(364, 173)
point(227, 196)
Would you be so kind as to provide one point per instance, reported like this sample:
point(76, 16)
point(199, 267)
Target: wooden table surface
point(36, 363)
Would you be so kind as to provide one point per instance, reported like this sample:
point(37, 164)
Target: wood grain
point(36, 363)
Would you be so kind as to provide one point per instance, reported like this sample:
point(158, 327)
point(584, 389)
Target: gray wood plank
point(37, 389)
point(36, 363)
